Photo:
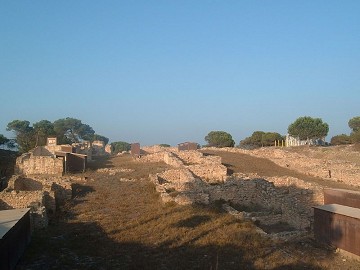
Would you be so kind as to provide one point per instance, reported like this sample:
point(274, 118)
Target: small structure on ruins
point(337, 222)
point(52, 159)
point(39, 183)
point(187, 146)
point(135, 149)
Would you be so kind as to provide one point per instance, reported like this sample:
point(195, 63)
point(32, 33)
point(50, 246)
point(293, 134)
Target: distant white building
point(295, 141)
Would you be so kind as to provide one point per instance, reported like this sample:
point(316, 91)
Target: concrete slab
point(8, 219)
point(340, 209)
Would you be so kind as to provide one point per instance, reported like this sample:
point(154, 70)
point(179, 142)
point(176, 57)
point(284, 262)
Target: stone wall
point(289, 205)
point(35, 200)
point(196, 178)
point(331, 168)
point(172, 160)
point(155, 157)
point(27, 164)
point(208, 168)
point(43, 194)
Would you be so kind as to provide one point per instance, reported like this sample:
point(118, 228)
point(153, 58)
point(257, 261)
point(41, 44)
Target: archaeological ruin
point(41, 181)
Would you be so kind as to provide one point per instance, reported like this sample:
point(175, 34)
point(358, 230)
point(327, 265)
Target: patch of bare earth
point(116, 221)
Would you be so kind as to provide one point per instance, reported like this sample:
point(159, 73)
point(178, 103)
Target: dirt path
point(117, 222)
point(238, 162)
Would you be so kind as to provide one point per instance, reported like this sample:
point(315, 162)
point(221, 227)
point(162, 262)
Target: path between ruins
point(116, 221)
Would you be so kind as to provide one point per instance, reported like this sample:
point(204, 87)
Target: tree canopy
point(67, 130)
point(261, 138)
point(354, 123)
point(71, 130)
point(219, 139)
point(117, 147)
point(24, 133)
point(97, 137)
point(3, 139)
point(164, 145)
point(43, 129)
point(340, 139)
point(308, 128)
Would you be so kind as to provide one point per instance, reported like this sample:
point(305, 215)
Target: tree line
point(67, 131)
point(304, 128)
point(70, 130)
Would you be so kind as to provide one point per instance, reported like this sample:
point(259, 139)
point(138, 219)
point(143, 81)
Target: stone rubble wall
point(341, 170)
point(294, 207)
point(27, 199)
point(43, 194)
point(28, 164)
point(172, 160)
point(287, 199)
point(155, 157)
point(211, 173)
point(208, 168)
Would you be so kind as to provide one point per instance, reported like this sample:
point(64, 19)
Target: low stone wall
point(208, 168)
point(35, 200)
point(172, 160)
point(156, 157)
point(24, 184)
point(340, 170)
point(28, 164)
point(212, 173)
point(289, 205)
point(42, 194)
point(58, 188)
point(203, 179)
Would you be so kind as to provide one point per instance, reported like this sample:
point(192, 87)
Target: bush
point(117, 147)
point(340, 139)
point(164, 145)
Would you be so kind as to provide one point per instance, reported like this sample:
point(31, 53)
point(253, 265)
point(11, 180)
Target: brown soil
point(116, 224)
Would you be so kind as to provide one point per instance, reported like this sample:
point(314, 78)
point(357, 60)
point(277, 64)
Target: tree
point(43, 129)
point(308, 128)
point(71, 130)
point(354, 123)
point(25, 136)
point(219, 139)
point(355, 137)
point(261, 138)
point(269, 138)
point(97, 137)
point(340, 139)
point(3, 139)
point(117, 147)
point(164, 145)
point(256, 138)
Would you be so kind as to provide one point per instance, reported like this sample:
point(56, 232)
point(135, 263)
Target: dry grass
point(112, 224)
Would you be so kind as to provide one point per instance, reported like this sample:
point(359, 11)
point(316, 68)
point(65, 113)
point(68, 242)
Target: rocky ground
point(116, 221)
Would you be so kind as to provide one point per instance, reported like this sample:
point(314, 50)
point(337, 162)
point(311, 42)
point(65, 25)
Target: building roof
point(340, 209)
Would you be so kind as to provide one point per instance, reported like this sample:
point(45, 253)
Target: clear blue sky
point(171, 71)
